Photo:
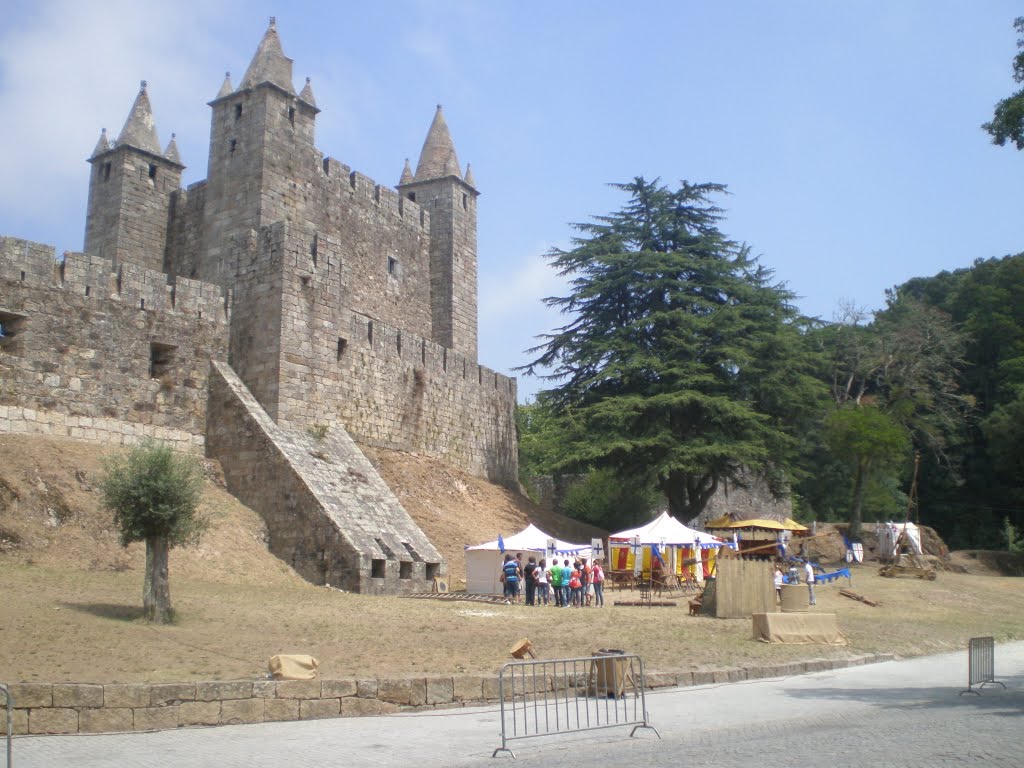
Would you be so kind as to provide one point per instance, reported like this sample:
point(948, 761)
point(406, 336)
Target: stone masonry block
point(156, 718)
point(235, 711)
point(264, 689)
point(199, 713)
point(281, 709)
point(77, 695)
point(406, 691)
point(684, 679)
point(216, 691)
point(27, 695)
point(126, 696)
point(338, 688)
point(657, 679)
point(440, 690)
point(165, 693)
point(468, 687)
point(316, 709)
point(298, 689)
point(52, 720)
point(359, 707)
point(703, 677)
point(366, 689)
point(19, 722)
point(105, 720)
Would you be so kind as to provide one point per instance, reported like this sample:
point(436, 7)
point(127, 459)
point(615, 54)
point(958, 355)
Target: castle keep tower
point(440, 188)
point(344, 315)
point(130, 188)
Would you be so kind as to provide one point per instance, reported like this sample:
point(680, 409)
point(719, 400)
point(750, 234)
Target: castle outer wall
point(110, 357)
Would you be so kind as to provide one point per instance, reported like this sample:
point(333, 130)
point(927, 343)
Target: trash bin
point(795, 598)
point(608, 675)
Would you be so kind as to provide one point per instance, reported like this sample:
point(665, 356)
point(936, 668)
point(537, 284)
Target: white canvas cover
point(889, 534)
point(666, 528)
point(483, 562)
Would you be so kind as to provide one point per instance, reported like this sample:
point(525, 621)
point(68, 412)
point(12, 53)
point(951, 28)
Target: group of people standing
point(569, 586)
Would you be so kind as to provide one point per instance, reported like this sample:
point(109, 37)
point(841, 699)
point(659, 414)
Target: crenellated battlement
point(363, 187)
point(36, 265)
point(391, 343)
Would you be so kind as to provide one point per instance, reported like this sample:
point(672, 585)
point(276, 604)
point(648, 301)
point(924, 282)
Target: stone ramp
point(329, 514)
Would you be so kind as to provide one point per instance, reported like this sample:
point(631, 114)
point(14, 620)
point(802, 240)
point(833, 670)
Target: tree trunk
point(857, 506)
point(688, 494)
point(156, 592)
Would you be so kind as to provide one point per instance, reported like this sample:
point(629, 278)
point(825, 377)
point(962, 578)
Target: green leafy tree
point(866, 437)
point(604, 498)
point(680, 360)
point(1008, 120)
point(154, 495)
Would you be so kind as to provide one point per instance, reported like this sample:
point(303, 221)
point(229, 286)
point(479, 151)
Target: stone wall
point(386, 386)
point(329, 514)
point(42, 708)
point(100, 355)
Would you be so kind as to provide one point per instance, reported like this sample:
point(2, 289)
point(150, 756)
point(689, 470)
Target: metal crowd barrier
point(10, 721)
point(981, 664)
point(544, 697)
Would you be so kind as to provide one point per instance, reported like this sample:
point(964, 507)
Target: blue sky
point(848, 133)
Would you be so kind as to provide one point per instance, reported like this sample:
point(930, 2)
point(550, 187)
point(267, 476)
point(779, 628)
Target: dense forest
point(682, 366)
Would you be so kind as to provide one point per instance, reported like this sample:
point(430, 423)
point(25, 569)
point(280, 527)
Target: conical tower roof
point(438, 158)
point(139, 130)
point(171, 153)
point(225, 89)
point(103, 145)
point(469, 176)
point(307, 94)
point(406, 174)
point(269, 65)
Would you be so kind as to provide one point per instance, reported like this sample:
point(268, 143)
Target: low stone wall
point(43, 708)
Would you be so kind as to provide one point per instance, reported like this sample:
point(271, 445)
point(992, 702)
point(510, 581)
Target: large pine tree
point(681, 360)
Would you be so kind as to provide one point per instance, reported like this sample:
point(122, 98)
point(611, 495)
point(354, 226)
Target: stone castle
point(274, 316)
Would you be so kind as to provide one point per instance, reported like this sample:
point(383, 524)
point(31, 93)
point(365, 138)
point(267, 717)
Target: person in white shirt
point(809, 578)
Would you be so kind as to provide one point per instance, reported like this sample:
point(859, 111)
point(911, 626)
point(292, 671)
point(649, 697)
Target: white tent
point(667, 529)
point(483, 562)
point(889, 534)
point(679, 541)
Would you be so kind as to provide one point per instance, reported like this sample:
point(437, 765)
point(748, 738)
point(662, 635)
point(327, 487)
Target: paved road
point(897, 714)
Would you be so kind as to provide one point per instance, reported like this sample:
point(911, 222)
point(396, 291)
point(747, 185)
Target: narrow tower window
point(392, 266)
point(412, 196)
point(342, 346)
point(291, 116)
point(465, 202)
point(238, 111)
point(152, 171)
point(106, 171)
point(233, 143)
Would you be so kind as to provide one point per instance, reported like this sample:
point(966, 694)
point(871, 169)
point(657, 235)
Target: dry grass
point(71, 596)
point(61, 625)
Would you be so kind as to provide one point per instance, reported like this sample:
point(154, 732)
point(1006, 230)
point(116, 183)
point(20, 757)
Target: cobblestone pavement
point(901, 713)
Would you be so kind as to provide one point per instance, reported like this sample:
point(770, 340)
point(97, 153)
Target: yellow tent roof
point(772, 525)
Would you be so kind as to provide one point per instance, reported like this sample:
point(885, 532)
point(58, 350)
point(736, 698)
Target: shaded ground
point(72, 595)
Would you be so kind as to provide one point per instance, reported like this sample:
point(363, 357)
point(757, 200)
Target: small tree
point(154, 494)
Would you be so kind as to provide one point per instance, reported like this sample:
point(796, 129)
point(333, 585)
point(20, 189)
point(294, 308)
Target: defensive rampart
point(329, 514)
point(103, 355)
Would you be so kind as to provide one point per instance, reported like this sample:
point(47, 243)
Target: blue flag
point(501, 544)
point(657, 554)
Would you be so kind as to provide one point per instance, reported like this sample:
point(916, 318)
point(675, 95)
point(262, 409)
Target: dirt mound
point(51, 514)
point(985, 562)
point(456, 510)
point(829, 545)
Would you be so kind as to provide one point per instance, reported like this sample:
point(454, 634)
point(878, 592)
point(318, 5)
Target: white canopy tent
point(678, 541)
point(483, 562)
